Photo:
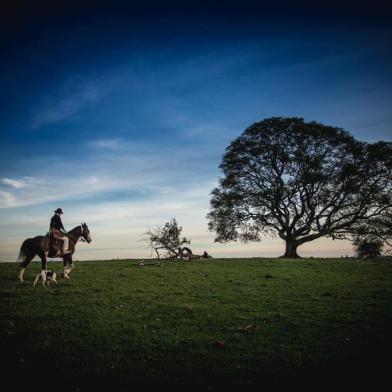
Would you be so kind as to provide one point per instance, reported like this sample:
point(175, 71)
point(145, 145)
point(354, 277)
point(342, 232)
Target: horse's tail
point(22, 253)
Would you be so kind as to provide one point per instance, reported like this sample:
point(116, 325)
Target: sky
point(120, 112)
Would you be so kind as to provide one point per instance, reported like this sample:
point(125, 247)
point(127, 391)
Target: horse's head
point(85, 233)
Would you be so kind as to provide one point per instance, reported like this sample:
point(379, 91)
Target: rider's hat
point(59, 211)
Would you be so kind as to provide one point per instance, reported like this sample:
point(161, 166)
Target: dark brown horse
point(45, 246)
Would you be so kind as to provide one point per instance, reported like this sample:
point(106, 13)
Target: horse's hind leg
point(23, 265)
point(21, 273)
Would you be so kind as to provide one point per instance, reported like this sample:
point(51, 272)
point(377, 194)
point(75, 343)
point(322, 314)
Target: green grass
point(210, 324)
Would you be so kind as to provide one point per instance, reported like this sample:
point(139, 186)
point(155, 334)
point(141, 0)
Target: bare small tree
point(168, 240)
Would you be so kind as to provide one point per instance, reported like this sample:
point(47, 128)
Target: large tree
point(300, 181)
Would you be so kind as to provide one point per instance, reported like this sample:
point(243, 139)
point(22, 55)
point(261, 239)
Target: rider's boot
point(65, 246)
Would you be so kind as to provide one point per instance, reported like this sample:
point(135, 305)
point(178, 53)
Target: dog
point(47, 277)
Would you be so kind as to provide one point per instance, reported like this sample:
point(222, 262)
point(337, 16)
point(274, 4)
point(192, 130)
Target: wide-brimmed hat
point(59, 211)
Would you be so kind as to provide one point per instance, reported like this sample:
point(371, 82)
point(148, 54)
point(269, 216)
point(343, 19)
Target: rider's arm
point(62, 227)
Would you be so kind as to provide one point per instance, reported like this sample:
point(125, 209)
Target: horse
point(44, 246)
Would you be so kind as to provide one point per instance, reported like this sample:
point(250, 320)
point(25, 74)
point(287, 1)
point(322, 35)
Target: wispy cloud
point(109, 170)
point(6, 199)
point(18, 184)
point(110, 144)
point(53, 188)
point(13, 190)
point(65, 104)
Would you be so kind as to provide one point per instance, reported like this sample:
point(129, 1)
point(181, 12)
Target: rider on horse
point(41, 246)
point(57, 229)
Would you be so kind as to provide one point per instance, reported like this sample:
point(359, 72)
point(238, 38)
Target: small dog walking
point(47, 277)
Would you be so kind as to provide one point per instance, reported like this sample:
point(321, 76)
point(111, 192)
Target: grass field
point(205, 324)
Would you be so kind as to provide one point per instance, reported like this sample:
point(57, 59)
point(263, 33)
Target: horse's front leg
point(65, 261)
point(44, 260)
point(68, 265)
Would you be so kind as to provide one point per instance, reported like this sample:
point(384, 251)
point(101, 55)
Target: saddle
point(55, 246)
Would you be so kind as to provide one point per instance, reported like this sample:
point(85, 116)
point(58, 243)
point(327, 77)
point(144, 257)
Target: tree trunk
point(291, 249)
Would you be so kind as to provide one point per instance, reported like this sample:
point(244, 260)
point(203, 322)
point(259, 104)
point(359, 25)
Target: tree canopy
point(301, 181)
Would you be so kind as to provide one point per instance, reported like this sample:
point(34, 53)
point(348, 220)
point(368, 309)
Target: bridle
point(81, 238)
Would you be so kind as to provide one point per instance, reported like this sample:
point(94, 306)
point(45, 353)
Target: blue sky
point(120, 114)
